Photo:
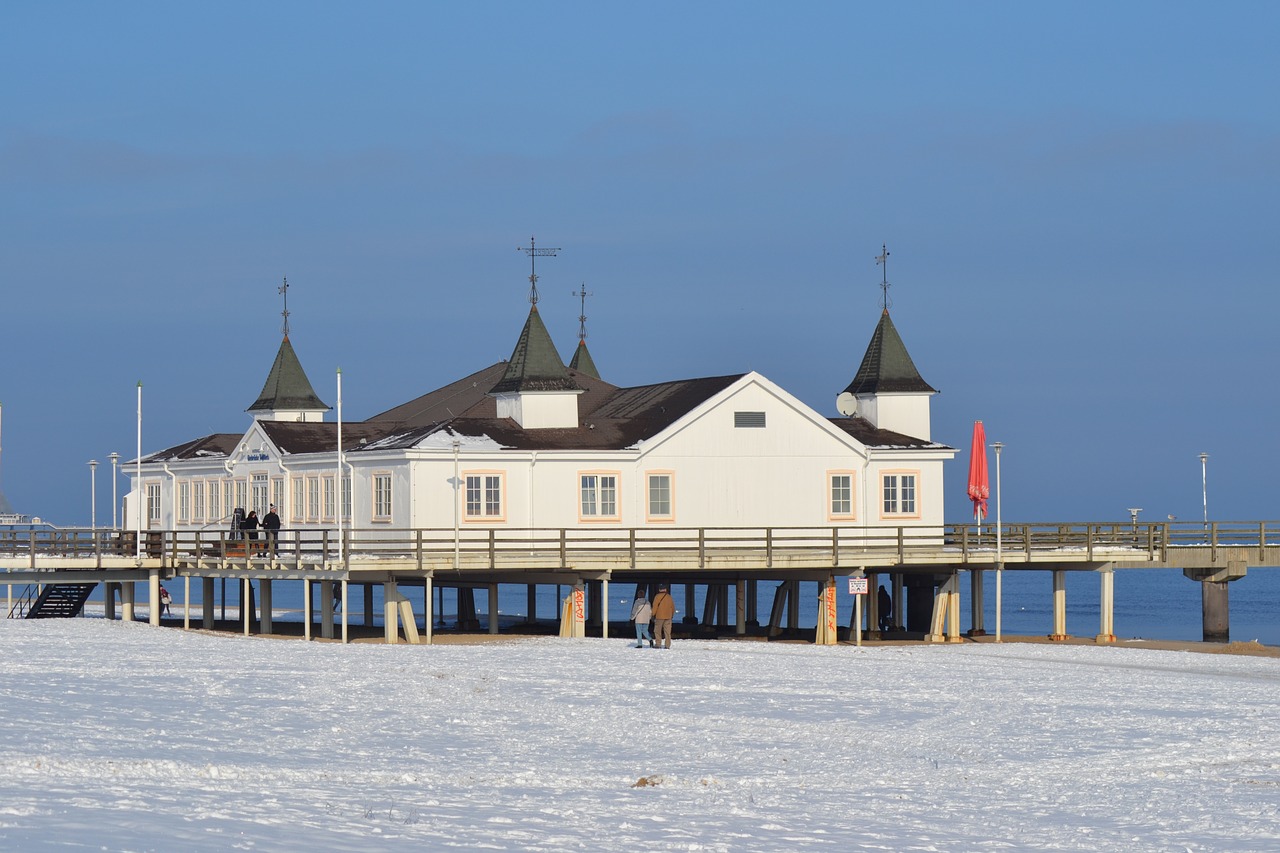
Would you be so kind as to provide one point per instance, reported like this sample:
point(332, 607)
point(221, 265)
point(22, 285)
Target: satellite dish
point(847, 404)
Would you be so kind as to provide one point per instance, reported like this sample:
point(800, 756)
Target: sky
point(1078, 200)
point(221, 743)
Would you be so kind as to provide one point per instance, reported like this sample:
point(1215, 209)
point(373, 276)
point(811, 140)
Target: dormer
point(536, 391)
point(287, 394)
point(887, 391)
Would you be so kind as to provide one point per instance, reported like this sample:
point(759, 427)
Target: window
point(659, 503)
point(215, 500)
point(153, 504)
point(277, 493)
point(242, 495)
point(328, 498)
point(228, 500)
point(313, 499)
point(599, 496)
point(346, 496)
point(184, 501)
point(841, 505)
point(299, 503)
point(197, 508)
point(899, 494)
point(260, 487)
point(382, 496)
point(748, 420)
point(484, 497)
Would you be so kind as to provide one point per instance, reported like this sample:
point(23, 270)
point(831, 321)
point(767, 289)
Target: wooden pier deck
point(1213, 553)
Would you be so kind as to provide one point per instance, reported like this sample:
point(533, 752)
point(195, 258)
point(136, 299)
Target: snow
point(126, 737)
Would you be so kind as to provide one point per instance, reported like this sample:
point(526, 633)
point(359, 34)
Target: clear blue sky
point(1080, 200)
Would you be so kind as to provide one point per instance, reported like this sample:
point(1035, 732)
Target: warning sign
point(857, 586)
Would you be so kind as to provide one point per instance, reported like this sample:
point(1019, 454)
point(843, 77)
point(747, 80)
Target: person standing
point(271, 524)
point(641, 613)
point(250, 528)
point(664, 610)
point(885, 605)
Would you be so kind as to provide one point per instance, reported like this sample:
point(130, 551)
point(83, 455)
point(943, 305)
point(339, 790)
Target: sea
point(1152, 604)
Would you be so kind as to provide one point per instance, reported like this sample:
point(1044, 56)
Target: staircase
point(56, 601)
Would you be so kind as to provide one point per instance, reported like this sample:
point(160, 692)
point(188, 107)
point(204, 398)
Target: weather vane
point(882, 260)
point(534, 253)
point(582, 317)
point(283, 290)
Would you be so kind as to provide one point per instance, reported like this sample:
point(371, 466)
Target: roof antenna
point(582, 317)
point(533, 252)
point(882, 260)
point(283, 290)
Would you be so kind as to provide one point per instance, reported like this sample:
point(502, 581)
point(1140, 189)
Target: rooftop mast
point(534, 253)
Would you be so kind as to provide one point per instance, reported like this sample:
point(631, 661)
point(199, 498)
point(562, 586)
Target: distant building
point(535, 444)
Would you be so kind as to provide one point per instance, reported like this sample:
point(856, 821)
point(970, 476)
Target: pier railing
point(707, 547)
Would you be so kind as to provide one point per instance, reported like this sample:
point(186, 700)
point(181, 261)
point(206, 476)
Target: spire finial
point(582, 317)
point(882, 260)
point(533, 252)
point(283, 290)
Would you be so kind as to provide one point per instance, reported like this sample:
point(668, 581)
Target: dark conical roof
point(582, 361)
point(887, 367)
point(287, 387)
point(535, 365)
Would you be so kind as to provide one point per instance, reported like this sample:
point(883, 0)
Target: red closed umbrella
point(979, 485)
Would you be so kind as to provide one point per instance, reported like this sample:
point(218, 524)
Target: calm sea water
point(1154, 604)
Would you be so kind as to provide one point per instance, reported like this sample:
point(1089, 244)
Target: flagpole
point(141, 502)
point(338, 482)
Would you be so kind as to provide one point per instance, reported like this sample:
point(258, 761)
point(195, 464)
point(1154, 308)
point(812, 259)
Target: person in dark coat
point(271, 524)
point(885, 604)
point(250, 528)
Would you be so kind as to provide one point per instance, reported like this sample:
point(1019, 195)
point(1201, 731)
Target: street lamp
point(997, 447)
point(115, 459)
point(93, 494)
point(1204, 486)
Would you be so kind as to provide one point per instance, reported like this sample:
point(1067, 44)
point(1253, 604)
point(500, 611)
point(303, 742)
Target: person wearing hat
point(664, 610)
point(271, 524)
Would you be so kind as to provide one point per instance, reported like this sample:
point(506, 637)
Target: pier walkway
point(923, 561)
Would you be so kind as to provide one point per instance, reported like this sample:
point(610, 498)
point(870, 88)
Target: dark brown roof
point(294, 437)
point(886, 366)
point(444, 403)
point(870, 436)
point(217, 445)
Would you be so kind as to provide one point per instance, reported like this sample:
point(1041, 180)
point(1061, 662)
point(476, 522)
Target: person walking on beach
point(250, 528)
point(165, 599)
point(664, 610)
point(885, 604)
point(271, 524)
point(641, 613)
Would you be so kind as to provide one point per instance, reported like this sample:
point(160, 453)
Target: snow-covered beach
point(125, 737)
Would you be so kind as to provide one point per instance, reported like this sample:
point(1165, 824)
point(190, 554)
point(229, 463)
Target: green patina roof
point(287, 387)
point(535, 365)
point(887, 367)
point(582, 361)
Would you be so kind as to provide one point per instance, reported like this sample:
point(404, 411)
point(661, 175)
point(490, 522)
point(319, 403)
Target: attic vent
point(748, 420)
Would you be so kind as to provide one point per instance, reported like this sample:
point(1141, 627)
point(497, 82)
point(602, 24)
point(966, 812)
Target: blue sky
point(1079, 200)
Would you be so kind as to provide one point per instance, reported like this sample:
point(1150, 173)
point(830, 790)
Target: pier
point(58, 568)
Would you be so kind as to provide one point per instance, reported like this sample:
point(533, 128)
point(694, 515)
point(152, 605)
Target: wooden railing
point(708, 547)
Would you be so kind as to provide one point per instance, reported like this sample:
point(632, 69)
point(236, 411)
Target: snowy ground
point(124, 737)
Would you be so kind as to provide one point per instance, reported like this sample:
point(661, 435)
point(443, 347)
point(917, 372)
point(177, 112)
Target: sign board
point(857, 586)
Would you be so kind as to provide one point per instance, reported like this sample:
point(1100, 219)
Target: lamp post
point(1204, 486)
point(115, 459)
point(997, 447)
point(93, 494)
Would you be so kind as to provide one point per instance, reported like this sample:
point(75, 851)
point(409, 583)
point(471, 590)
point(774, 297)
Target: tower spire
point(882, 260)
point(283, 290)
point(534, 253)
point(582, 316)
